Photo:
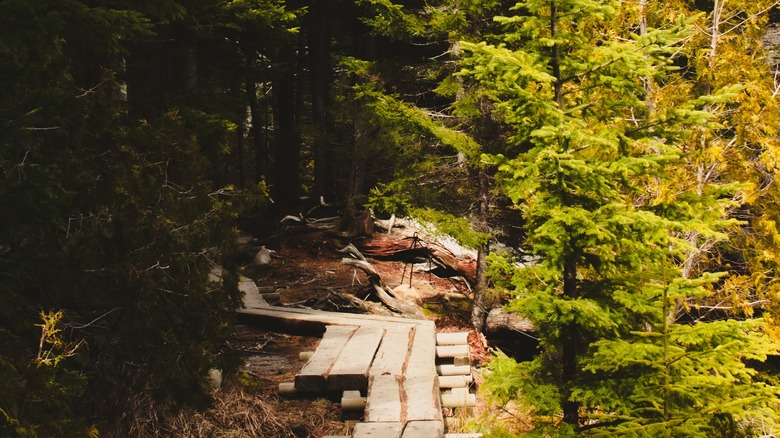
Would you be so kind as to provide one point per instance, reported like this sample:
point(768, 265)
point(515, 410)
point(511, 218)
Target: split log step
point(378, 430)
point(391, 356)
point(422, 401)
point(350, 371)
point(423, 350)
point(383, 403)
point(314, 374)
point(423, 429)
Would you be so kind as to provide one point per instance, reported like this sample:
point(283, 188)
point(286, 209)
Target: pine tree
point(111, 224)
point(567, 77)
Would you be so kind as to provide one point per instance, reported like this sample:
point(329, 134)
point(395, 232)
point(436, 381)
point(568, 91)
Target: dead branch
point(384, 293)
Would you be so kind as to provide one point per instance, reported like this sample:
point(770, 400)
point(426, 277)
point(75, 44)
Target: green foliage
point(564, 77)
point(389, 19)
point(384, 200)
point(447, 224)
point(110, 227)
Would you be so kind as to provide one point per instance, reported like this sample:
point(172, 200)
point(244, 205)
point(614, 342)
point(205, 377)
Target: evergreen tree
point(566, 77)
point(111, 220)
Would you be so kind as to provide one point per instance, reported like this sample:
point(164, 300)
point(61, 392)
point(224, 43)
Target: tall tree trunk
point(362, 133)
point(555, 58)
point(479, 311)
point(287, 148)
point(257, 131)
point(357, 178)
point(240, 137)
point(319, 66)
point(570, 347)
point(570, 342)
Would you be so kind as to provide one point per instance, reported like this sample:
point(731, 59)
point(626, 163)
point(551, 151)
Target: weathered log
point(414, 248)
point(454, 381)
point(287, 388)
point(453, 370)
point(453, 338)
point(461, 360)
point(449, 351)
point(458, 398)
point(499, 319)
point(384, 293)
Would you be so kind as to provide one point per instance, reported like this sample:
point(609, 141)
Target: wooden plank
point(460, 361)
point(458, 398)
point(377, 430)
point(422, 357)
point(313, 322)
point(454, 381)
point(423, 400)
point(312, 376)
point(383, 403)
point(458, 338)
point(424, 429)
point(453, 370)
point(252, 297)
point(350, 371)
point(446, 351)
point(392, 353)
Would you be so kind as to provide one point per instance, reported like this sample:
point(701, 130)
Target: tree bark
point(257, 131)
point(478, 308)
point(319, 67)
point(240, 137)
point(287, 148)
point(500, 320)
point(570, 345)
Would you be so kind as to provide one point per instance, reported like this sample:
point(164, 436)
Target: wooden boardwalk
point(389, 361)
point(386, 366)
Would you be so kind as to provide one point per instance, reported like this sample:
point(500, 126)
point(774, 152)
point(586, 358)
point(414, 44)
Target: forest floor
point(306, 270)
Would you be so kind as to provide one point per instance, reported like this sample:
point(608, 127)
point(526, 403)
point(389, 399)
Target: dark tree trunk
point(571, 409)
point(257, 132)
point(357, 174)
point(570, 346)
point(287, 148)
point(319, 67)
point(479, 309)
point(240, 135)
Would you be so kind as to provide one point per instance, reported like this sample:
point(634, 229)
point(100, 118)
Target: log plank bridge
point(383, 365)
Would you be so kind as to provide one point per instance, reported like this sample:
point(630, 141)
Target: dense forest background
point(613, 163)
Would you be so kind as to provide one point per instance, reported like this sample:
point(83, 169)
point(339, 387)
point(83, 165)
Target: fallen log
point(413, 249)
point(499, 319)
point(385, 294)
